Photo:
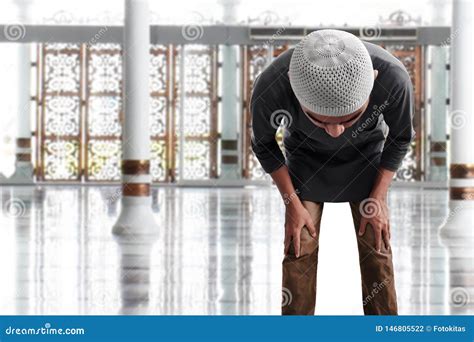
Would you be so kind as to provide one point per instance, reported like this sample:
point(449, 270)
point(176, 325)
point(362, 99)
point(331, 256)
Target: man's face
point(335, 126)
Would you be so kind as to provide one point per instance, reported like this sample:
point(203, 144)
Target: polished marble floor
point(217, 251)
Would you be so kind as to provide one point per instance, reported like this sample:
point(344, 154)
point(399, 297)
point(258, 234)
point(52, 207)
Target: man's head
point(331, 74)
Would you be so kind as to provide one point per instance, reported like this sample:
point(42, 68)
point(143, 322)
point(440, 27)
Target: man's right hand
point(296, 217)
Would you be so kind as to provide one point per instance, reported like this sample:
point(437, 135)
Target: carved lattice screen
point(60, 129)
point(80, 112)
point(200, 128)
point(412, 57)
point(103, 112)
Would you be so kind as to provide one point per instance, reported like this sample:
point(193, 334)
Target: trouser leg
point(299, 274)
point(378, 281)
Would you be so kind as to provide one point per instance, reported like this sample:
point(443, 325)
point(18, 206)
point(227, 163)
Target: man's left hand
point(374, 211)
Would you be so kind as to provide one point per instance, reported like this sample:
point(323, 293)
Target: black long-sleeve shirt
point(326, 169)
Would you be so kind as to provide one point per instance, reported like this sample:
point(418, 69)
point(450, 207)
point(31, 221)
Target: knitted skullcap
point(331, 72)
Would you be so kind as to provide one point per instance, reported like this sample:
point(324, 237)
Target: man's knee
point(308, 245)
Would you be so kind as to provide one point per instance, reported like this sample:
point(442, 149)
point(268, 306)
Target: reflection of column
point(135, 252)
point(171, 266)
point(213, 257)
point(38, 238)
point(19, 208)
point(136, 215)
point(228, 257)
point(235, 256)
point(23, 166)
point(457, 233)
point(245, 257)
point(230, 132)
point(434, 209)
point(438, 108)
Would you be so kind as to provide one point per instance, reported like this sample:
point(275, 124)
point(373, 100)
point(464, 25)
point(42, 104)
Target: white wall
point(299, 12)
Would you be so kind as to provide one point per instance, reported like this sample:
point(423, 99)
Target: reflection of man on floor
point(346, 106)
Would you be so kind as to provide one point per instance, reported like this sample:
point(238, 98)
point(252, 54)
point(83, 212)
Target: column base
point(229, 172)
point(136, 217)
point(457, 237)
point(23, 174)
point(457, 229)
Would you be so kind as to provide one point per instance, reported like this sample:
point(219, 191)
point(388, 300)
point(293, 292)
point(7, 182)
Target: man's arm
point(399, 120)
point(382, 183)
point(263, 103)
point(296, 215)
point(263, 106)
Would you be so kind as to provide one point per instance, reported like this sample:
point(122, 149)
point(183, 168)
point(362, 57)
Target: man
point(346, 106)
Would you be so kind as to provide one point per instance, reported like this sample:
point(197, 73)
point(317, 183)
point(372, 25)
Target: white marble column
point(23, 173)
point(457, 233)
point(439, 11)
point(136, 216)
point(230, 156)
point(461, 183)
point(438, 109)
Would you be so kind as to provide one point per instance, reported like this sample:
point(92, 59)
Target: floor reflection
point(218, 252)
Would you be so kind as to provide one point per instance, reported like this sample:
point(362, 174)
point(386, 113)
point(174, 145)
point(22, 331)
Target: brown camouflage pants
point(299, 274)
